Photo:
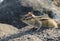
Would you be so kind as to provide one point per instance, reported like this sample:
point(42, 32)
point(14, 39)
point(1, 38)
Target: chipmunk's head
point(30, 14)
point(28, 18)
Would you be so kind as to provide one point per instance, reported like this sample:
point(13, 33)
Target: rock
point(39, 5)
point(6, 30)
point(11, 10)
point(10, 13)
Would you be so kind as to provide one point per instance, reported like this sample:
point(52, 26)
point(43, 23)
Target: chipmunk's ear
point(30, 13)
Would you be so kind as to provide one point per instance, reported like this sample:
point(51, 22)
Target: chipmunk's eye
point(28, 17)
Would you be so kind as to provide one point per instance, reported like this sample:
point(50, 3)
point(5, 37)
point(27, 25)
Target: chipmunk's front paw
point(37, 29)
point(34, 29)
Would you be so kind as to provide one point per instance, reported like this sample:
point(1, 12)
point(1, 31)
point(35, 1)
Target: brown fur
point(39, 21)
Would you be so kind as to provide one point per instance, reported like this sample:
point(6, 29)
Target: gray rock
point(7, 30)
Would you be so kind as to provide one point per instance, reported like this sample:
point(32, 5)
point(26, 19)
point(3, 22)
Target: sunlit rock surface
point(6, 30)
point(40, 4)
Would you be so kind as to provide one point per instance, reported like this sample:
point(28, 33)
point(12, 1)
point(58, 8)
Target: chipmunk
point(39, 21)
point(31, 19)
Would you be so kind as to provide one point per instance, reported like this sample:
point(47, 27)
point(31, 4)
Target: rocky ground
point(13, 29)
point(10, 33)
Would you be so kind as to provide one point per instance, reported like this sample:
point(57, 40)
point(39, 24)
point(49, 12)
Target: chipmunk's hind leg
point(39, 26)
point(38, 29)
point(34, 28)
